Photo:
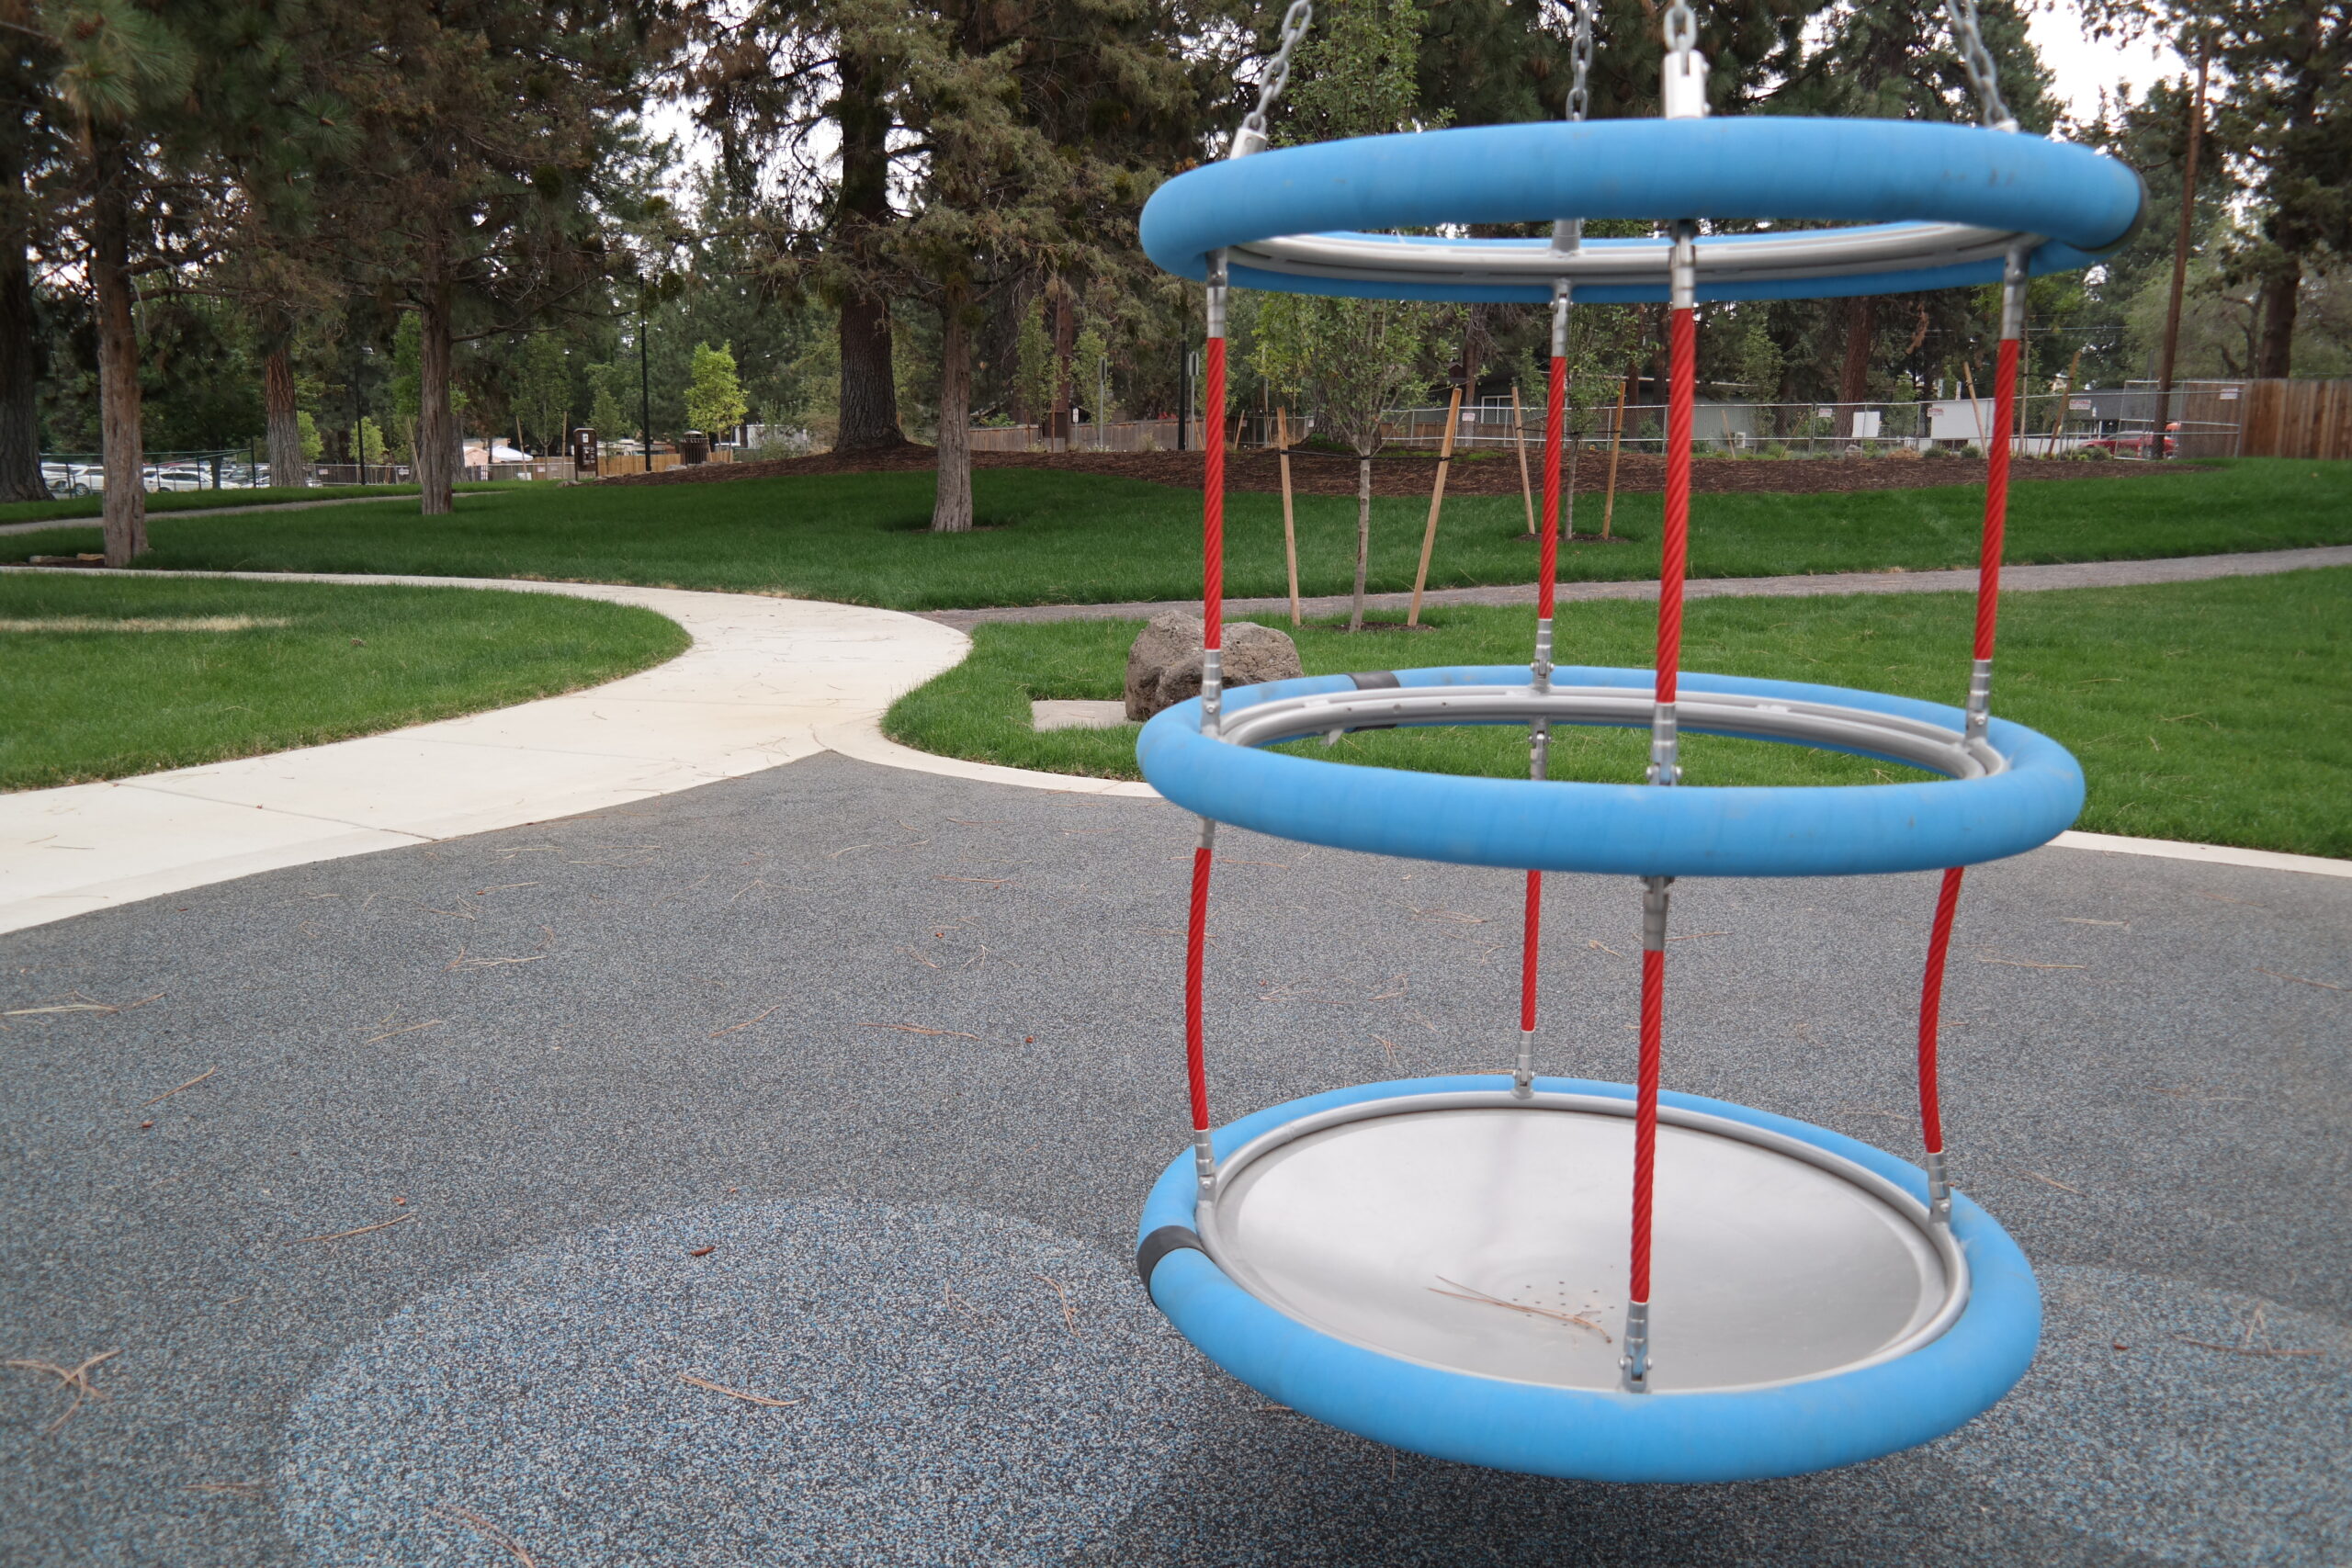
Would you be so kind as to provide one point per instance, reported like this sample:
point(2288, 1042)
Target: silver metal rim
point(1770, 257)
point(1952, 753)
point(1939, 1238)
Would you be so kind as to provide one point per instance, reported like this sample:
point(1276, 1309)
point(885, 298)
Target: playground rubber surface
point(840, 1086)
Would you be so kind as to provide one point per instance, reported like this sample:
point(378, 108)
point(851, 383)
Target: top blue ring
point(1943, 203)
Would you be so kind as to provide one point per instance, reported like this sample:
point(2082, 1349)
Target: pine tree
point(486, 187)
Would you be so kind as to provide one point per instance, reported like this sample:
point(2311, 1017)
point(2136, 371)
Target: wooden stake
point(1616, 439)
point(1437, 500)
point(1290, 527)
point(1519, 433)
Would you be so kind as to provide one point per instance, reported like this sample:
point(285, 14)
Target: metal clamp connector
point(1216, 294)
point(2013, 282)
point(1636, 1364)
point(1683, 93)
point(1980, 698)
point(1938, 1191)
point(1523, 1079)
point(1560, 303)
point(1666, 745)
point(1212, 691)
point(1205, 1164)
point(1655, 900)
point(1682, 267)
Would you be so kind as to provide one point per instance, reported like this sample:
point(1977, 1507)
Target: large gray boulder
point(1164, 665)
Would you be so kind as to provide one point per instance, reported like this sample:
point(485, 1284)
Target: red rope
point(1555, 421)
point(1682, 382)
point(1212, 503)
point(1988, 609)
point(1196, 943)
point(1931, 995)
point(1997, 496)
point(1645, 1114)
point(1527, 954)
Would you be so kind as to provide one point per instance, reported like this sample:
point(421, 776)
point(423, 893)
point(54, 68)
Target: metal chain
point(1295, 22)
point(1977, 61)
point(1580, 96)
point(1682, 28)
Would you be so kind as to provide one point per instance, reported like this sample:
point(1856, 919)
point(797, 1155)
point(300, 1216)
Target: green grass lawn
point(2218, 712)
point(104, 677)
point(66, 506)
point(1061, 537)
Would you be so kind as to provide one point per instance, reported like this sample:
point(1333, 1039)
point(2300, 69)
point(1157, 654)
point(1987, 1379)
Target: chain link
point(1977, 61)
point(1579, 95)
point(1681, 28)
point(1295, 22)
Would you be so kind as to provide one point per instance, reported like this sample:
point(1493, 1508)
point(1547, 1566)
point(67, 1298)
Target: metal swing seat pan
point(1468, 1232)
point(1367, 1255)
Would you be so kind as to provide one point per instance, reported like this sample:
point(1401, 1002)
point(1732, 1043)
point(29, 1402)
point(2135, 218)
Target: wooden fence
point(1118, 436)
point(2298, 419)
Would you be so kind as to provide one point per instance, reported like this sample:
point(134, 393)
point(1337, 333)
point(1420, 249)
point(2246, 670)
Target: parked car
point(73, 479)
point(182, 476)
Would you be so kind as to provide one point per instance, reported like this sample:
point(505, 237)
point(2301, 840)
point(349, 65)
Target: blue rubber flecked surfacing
point(1784, 168)
point(1634, 830)
point(1791, 1429)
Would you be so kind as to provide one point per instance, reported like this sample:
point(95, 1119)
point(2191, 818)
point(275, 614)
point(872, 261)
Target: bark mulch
point(1410, 473)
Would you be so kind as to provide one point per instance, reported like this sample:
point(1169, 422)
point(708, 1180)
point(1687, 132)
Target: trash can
point(694, 446)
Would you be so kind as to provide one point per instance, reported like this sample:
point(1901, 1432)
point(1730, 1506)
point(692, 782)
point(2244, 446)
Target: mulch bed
point(1410, 472)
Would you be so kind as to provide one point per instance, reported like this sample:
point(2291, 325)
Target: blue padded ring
point(1634, 828)
point(1777, 167)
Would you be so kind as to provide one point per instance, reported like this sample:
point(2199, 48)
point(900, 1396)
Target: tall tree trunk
point(1364, 535)
point(281, 423)
point(437, 423)
point(951, 509)
point(110, 285)
point(869, 402)
point(2275, 308)
point(1854, 377)
point(20, 476)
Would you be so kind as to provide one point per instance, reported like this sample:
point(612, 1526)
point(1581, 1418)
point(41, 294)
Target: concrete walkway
point(2014, 579)
point(768, 681)
point(764, 677)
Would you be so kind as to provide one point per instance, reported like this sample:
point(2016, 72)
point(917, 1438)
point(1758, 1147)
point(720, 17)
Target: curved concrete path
point(762, 678)
point(768, 681)
point(1957, 580)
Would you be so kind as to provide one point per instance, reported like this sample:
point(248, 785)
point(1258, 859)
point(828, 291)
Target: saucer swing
point(1550, 1275)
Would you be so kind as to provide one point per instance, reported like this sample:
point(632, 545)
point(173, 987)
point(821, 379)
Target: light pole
point(2180, 252)
point(644, 386)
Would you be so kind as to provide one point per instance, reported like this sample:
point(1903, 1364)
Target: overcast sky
point(2084, 65)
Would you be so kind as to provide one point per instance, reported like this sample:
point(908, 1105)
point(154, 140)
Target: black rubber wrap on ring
point(1159, 1244)
point(1375, 681)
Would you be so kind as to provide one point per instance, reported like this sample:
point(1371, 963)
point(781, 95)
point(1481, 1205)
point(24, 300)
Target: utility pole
point(644, 386)
point(359, 452)
point(2180, 252)
point(1184, 391)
